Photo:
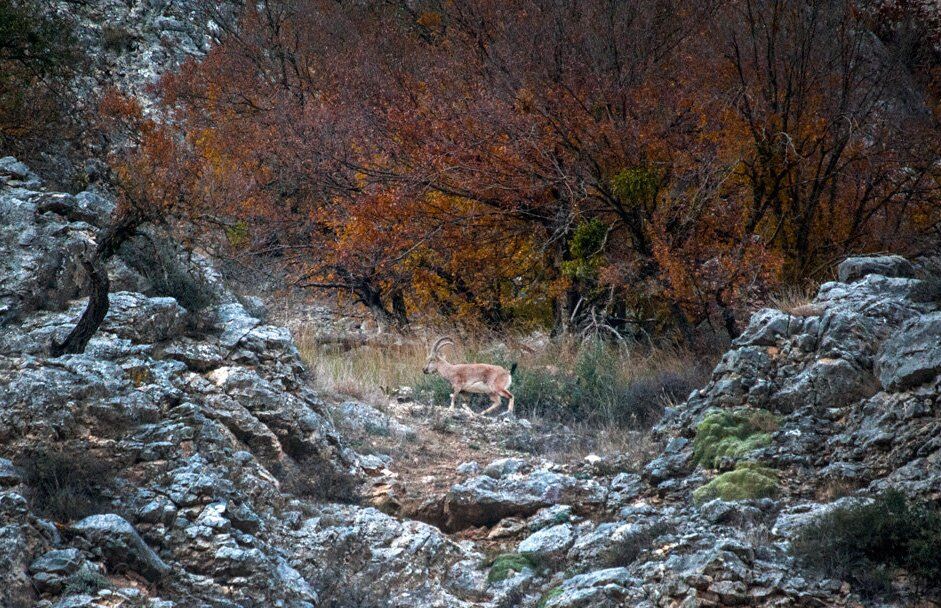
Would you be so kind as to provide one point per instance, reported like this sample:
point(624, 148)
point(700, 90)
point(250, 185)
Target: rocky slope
point(199, 423)
point(215, 475)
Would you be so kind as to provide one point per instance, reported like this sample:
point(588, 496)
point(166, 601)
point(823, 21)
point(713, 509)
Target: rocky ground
point(219, 476)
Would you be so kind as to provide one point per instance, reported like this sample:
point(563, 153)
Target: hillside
point(702, 238)
point(186, 459)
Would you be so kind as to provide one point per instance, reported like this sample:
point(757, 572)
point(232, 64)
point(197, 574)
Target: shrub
point(435, 389)
point(86, 580)
point(748, 480)
point(624, 551)
point(165, 265)
point(318, 479)
point(864, 543)
point(556, 592)
point(116, 39)
point(65, 485)
point(732, 433)
point(504, 565)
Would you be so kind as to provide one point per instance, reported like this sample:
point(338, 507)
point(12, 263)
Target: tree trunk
point(110, 239)
point(94, 314)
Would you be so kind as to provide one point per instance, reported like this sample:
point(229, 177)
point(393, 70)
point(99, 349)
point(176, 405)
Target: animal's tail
point(512, 368)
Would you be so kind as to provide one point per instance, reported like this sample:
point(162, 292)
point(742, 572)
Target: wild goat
point(478, 378)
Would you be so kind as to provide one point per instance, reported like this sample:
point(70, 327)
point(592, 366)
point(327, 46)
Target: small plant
point(116, 39)
point(170, 273)
point(556, 592)
point(748, 480)
point(865, 543)
point(624, 551)
point(86, 580)
point(318, 479)
point(732, 433)
point(65, 485)
point(505, 565)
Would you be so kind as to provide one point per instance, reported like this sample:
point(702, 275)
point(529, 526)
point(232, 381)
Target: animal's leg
point(453, 395)
point(496, 404)
point(509, 409)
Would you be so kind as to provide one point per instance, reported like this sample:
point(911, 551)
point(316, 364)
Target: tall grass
point(564, 379)
point(369, 372)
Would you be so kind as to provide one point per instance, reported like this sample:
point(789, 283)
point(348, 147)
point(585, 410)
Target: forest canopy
point(624, 167)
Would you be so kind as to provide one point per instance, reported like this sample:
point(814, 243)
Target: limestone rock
point(120, 543)
point(913, 354)
point(853, 269)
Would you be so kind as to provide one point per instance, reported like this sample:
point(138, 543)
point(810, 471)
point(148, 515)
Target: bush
point(166, 266)
point(625, 551)
point(732, 433)
point(864, 543)
point(116, 39)
point(65, 485)
point(748, 480)
point(320, 480)
point(552, 593)
point(86, 580)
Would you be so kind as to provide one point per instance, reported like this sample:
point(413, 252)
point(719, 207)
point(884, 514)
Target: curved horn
point(439, 343)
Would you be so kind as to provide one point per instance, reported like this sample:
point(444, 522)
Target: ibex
point(479, 378)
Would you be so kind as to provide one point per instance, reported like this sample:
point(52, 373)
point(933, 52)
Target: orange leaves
point(445, 158)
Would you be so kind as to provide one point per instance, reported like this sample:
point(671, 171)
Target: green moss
point(504, 565)
point(548, 596)
point(748, 480)
point(732, 433)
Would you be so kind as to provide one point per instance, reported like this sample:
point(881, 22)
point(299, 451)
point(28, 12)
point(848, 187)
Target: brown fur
point(482, 378)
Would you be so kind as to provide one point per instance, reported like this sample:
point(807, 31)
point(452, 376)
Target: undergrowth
point(866, 543)
point(65, 485)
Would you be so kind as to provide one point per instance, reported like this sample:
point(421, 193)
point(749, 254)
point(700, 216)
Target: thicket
point(39, 56)
point(867, 543)
point(66, 485)
point(529, 165)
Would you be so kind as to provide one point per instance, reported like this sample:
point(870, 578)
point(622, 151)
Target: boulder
point(51, 570)
point(9, 475)
point(143, 320)
point(597, 589)
point(548, 543)
point(912, 355)
point(483, 500)
point(853, 269)
point(502, 467)
point(120, 544)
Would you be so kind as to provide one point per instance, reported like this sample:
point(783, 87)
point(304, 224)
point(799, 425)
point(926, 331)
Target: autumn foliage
point(619, 167)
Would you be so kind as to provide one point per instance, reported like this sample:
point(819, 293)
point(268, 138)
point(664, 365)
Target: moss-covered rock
point(732, 433)
point(505, 565)
point(748, 480)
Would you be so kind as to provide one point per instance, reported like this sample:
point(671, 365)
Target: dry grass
point(369, 372)
point(563, 379)
point(796, 300)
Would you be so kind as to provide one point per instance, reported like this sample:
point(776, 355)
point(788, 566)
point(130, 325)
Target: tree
point(152, 172)
point(626, 167)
